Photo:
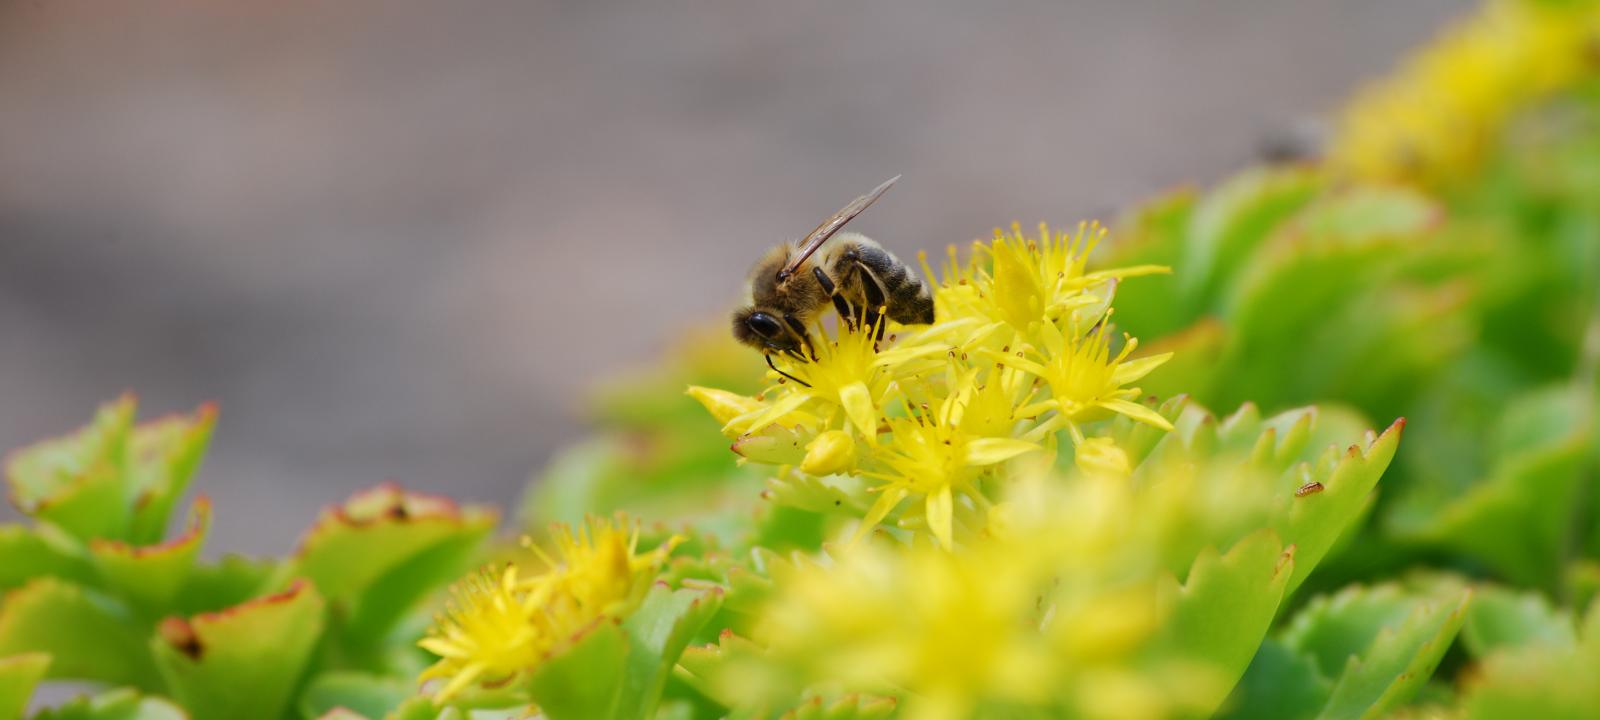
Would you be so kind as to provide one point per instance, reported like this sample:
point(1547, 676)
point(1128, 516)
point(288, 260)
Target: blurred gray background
point(395, 240)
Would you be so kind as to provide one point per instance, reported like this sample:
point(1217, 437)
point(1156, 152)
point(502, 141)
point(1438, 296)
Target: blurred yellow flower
point(1435, 118)
point(487, 634)
point(494, 630)
point(950, 629)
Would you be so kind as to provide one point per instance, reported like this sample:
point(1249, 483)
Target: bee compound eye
point(765, 325)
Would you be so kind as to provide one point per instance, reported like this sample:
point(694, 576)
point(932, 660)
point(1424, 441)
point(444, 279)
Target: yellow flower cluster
point(1436, 117)
point(499, 626)
point(1054, 608)
point(925, 420)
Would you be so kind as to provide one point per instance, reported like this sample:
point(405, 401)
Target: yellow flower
point(1017, 281)
point(1436, 117)
point(850, 375)
point(938, 457)
point(597, 572)
point(494, 631)
point(1085, 379)
point(831, 452)
point(1100, 457)
point(488, 634)
point(951, 629)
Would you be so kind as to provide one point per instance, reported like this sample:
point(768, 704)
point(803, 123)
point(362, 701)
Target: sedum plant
point(1156, 473)
point(94, 593)
point(982, 516)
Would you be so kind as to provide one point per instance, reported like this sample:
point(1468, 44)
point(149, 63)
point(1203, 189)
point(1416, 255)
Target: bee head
point(764, 331)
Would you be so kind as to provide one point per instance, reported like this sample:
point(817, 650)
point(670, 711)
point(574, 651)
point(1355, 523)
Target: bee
point(794, 282)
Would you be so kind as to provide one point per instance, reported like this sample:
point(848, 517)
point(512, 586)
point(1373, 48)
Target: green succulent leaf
point(849, 706)
point(1280, 684)
point(1519, 518)
point(363, 694)
point(1398, 662)
point(385, 549)
point(121, 704)
point(163, 457)
point(1364, 651)
point(1290, 306)
point(150, 577)
point(1222, 612)
point(112, 480)
point(87, 635)
point(1360, 653)
point(1538, 680)
point(1154, 233)
point(583, 681)
point(1224, 479)
point(714, 669)
point(618, 671)
point(75, 482)
point(1503, 618)
point(18, 675)
point(229, 581)
point(243, 662)
point(1233, 221)
point(659, 631)
point(1316, 519)
point(42, 551)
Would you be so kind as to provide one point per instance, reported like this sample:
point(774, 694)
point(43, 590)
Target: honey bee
point(794, 282)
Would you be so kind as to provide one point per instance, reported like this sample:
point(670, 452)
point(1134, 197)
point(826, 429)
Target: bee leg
point(875, 299)
point(847, 314)
point(799, 329)
point(780, 372)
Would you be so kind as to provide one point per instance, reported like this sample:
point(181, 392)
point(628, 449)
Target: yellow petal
point(891, 497)
point(1137, 412)
point(857, 402)
point(940, 509)
point(1132, 370)
point(1101, 456)
point(785, 405)
point(723, 405)
point(988, 451)
point(831, 452)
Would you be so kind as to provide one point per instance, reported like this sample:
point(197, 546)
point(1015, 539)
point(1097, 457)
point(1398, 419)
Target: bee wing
point(830, 226)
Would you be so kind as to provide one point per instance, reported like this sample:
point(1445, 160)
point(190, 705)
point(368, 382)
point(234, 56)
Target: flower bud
point(829, 453)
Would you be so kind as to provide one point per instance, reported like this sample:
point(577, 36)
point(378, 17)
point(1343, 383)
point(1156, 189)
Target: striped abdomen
point(862, 267)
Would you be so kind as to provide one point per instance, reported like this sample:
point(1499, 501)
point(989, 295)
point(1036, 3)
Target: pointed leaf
point(1504, 618)
point(38, 552)
point(75, 481)
point(243, 662)
point(585, 681)
point(151, 576)
point(18, 675)
point(1518, 519)
point(658, 632)
point(163, 456)
point(1281, 684)
point(365, 695)
point(1316, 520)
point(123, 704)
point(382, 550)
point(88, 636)
point(1399, 661)
point(1222, 612)
point(229, 581)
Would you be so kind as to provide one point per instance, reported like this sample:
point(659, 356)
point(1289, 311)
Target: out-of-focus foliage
point(1019, 511)
point(93, 592)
